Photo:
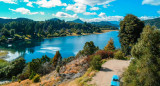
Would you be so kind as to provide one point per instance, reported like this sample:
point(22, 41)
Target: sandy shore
point(110, 68)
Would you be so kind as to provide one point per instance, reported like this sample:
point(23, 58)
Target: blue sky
point(87, 10)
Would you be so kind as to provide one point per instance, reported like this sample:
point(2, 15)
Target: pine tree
point(110, 45)
point(57, 59)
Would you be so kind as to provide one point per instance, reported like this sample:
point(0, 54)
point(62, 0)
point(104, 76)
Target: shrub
point(19, 80)
point(23, 76)
point(104, 54)
point(119, 55)
point(13, 69)
point(3, 63)
point(36, 78)
point(96, 62)
point(32, 75)
point(13, 78)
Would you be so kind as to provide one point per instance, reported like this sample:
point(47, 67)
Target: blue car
point(115, 80)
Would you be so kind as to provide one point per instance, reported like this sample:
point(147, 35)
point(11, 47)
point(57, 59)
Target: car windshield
point(115, 80)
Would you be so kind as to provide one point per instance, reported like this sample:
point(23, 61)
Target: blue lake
point(68, 46)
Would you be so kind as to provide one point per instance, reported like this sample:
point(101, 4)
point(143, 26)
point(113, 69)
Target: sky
point(86, 10)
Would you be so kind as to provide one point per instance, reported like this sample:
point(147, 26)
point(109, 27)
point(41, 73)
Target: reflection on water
point(68, 46)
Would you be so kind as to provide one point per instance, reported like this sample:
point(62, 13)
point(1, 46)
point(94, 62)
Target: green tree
point(110, 45)
point(89, 48)
point(144, 70)
point(5, 32)
point(130, 29)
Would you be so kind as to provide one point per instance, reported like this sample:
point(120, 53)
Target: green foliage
point(19, 80)
point(119, 55)
point(3, 63)
point(130, 29)
point(110, 45)
point(14, 78)
point(89, 48)
point(144, 70)
point(57, 59)
point(96, 62)
point(34, 65)
point(13, 69)
point(36, 78)
point(32, 75)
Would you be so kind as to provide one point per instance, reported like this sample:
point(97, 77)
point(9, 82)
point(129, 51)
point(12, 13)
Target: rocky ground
point(68, 72)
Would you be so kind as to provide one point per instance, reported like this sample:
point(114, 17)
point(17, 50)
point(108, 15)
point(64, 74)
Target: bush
point(13, 69)
point(13, 78)
point(119, 55)
point(104, 54)
point(3, 63)
point(36, 78)
point(96, 62)
point(32, 75)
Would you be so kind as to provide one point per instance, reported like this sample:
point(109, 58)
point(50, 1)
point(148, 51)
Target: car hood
point(115, 83)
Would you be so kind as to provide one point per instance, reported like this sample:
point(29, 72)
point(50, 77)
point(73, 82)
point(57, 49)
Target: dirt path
point(110, 68)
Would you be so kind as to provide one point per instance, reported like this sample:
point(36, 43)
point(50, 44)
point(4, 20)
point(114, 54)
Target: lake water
point(68, 46)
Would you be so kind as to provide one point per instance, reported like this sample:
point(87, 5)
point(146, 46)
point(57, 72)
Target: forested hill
point(102, 24)
point(153, 22)
point(29, 29)
point(2, 21)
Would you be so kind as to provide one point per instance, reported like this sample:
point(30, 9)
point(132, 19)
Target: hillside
point(104, 23)
point(11, 20)
point(77, 21)
point(153, 22)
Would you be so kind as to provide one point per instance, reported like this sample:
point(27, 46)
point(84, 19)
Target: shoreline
point(74, 34)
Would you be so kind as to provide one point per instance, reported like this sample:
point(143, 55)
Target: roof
point(115, 77)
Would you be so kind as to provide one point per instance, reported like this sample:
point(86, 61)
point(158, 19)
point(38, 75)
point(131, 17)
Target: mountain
point(54, 19)
point(10, 20)
point(153, 22)
point(104, 23)
point(115, 22)
point(77, 21)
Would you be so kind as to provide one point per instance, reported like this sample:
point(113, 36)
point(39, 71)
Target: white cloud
point(50, 3)
point(24, 11)
point(146, 17)
point(77, 8)
point(106, 5)
point(94, 8)
point(26, 0)
point(102, 15)
point(7, 18)
point(9, 1)
point(65, 15)
point(94, 2)
point(151, 2)
point(30, 4)
point(89, 13)
point(42, 13)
